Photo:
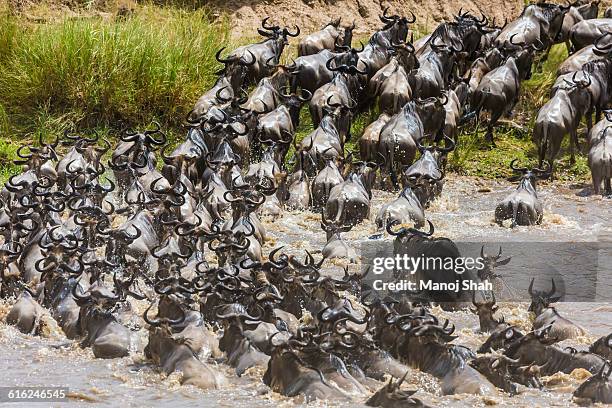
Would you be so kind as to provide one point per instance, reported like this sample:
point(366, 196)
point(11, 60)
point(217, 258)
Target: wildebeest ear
point(554, 299)
point(509, 333)
point(503, 261)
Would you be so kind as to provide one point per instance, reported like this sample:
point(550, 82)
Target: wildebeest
point(172, 353)
point(507, 373)
point(425, 176)
point(523, 206)
point(587, 31)
point(498, 93)
point(536, 348)
point(26, 314)
point(577, 13)
point(546, 315)
point(349, 201)
point(324, 181)
point(392, 396)
point(391, 83)
point(329, 37)
point(269, 49)
point(485, 311)
point(603, 347)
point(406, 209)
point(344, 88)
point(368, 142)
point(336, 247)
point(597, 388)
point(398, 139)
point(288, 374)
point(420, 244)
point(447, 362)
point(539, 22)
point(600, 162)
point(559, 116)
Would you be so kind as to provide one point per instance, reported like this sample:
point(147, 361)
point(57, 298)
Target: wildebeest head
point(341, 114)
point(497, 370)
point(491, 262)
point(391, 396)
point(348, 57)
point(404, 52)
point(235, 68)
point(597, 388)
point(277, 35)
point(540, 300)
point(470, 29)
point(485, 311)
point(505, 372)
point(603, 347)
point(267, 30)
point(396, 25)
point(348, 34)
point(500, 337)
point(294, 102)
point(528, 177)
point(9, 282)
point(523, 55)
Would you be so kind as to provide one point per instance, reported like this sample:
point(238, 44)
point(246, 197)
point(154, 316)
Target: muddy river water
point(464, 212)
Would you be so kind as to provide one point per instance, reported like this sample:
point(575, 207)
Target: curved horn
point(224, 61)
point(519, 169)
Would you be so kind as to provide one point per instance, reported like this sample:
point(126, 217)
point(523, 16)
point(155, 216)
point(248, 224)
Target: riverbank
point(106, 65)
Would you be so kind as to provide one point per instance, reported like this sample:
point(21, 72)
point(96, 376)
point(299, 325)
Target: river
point(463, 213)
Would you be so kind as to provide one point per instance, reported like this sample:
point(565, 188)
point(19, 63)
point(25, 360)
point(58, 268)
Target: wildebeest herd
point(187, 236)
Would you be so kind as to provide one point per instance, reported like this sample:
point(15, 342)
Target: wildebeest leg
point(492, 122)
point(573, 142)
point(515, 210)
point(532, 216)
point(538, 217)
point(294, 83)
point(595, 176)
point(35, 324)
point(607, 187)
point(589, 121)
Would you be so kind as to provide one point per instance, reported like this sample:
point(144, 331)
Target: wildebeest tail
point(340, 211)
point(327, 191)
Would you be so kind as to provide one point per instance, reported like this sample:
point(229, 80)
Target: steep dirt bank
point(245, 15)
point(311, 14)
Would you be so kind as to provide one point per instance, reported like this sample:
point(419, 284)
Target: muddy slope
point(311, 14)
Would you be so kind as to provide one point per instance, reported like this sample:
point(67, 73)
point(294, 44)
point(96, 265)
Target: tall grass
point(91, 72)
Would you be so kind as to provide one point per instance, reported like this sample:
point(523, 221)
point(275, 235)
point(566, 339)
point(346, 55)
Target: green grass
point(93, 72)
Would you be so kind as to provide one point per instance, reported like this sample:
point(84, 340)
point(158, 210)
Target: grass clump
point(94, 72)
